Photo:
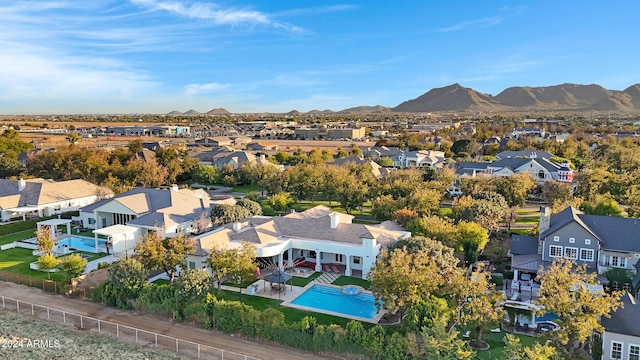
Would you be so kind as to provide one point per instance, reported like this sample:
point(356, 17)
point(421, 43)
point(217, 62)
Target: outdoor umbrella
point(278, 276)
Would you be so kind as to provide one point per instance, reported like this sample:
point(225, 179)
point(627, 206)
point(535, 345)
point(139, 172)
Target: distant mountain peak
point(567, 96)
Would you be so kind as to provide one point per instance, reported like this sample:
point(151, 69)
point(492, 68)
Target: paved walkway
point(129, 318)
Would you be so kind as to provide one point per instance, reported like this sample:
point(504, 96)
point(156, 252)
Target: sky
point(157, 56)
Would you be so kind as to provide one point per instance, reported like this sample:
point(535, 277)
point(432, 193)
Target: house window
point(571, 253)
point(572, 240)
point(586, 254)
point(339, 258)
point(587, 241)
point(634, 352)
point(541, 174)
point(92, 221)
point(555, 251)
point(615, 261)
point(356, 259)
point(556, 238)
point(192, 265)
point(616, 350)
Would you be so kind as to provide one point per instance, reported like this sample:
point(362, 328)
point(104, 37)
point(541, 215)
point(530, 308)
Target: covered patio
point(121, 237)
point(52, 225)
point(24, 210)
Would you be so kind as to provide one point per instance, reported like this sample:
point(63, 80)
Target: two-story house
point(600, 242)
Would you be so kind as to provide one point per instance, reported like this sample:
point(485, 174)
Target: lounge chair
point(327, 268)
point(467, 334)
point(496, 330)
point(526, 328)
point(335, 269)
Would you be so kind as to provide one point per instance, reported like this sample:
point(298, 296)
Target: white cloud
point(216, 13)
point(473, 24)
point(197, 89)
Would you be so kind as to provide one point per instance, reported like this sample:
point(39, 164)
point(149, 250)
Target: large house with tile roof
point(41, 197)
point(167, 211)
point(600, 242)
point(319, 235)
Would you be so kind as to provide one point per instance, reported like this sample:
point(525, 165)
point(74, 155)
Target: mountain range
point(564, 97)
point(573, 97)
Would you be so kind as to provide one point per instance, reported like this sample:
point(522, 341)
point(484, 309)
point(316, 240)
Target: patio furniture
point(526, 328)
point(335, 269)
point(327, 268)
point(496, 330)
point(518, 326)
point(467, 334)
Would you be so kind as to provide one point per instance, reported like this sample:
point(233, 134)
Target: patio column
point(96, 240)
point(68, 228)
point(318, 264)
point(280, 261)
point(53, 231)
point(290, 257)
point(347, 270)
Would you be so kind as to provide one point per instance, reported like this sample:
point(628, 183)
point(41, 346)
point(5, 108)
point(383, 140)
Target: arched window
point(541, 174)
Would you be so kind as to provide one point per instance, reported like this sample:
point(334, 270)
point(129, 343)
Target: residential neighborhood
point(393, 226)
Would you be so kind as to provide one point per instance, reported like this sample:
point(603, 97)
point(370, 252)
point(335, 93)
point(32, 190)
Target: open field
point(64, 342)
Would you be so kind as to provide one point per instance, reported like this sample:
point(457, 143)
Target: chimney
point(21, 184)
point(237, 226)
point(545, 219)
point(335, 219)
point(174, 187)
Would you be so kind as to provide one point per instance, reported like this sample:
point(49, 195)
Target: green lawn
point(448, 212)
point(348, 280)
point(496, 344)
point(527, 212)
point(17, 261)
point(246, 188)
point(17, 236)
point(291, 315)
point(302, 281)
point(527, 220)
point(520, 231)
point(162, 282)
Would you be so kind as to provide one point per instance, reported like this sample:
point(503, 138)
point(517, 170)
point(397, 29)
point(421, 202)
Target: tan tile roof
point(135, 202)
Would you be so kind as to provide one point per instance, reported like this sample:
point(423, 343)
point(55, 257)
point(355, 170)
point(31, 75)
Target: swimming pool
point(84, 244)
point(333, 299)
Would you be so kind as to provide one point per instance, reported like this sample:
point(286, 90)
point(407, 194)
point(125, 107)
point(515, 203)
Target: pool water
point(547, 317)
point(83, 244)
point(332, 299)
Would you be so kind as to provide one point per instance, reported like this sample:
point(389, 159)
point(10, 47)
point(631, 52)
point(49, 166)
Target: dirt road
point(206, 337)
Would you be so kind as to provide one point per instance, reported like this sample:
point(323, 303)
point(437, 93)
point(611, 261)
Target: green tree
point(73, 138)
point(206, 174)
point(253, 207)
point(225, 213)
point(483, 306)
point(441, 229)
point(47, 262)
point(383, 207)
point(557, 194)
point(72, 266)
point(570, 292)
point(385, 161)
point(128, 277)
point(236, 264)
point(9, 167)
point(281, 201)
point(135, 146)
point(514, 350)
point(168, 255)
point(442, 344)
point(514, 188)
point(606, 206)
point(472, 239)
point(424, 201)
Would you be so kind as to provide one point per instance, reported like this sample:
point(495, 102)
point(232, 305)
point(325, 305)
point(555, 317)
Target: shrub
point(497, 279)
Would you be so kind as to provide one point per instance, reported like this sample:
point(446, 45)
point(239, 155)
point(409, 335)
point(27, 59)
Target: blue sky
point(155, 56)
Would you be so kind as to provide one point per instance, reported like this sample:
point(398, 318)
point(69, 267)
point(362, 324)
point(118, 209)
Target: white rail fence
point(127, 333)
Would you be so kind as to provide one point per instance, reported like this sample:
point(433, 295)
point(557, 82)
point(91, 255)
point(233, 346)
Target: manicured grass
point(302, 281)
point(246, 188)
point(348, 280)
point(496, 344)
point(527, 212)
point(17, 236)
point(291, 315)
point(527, 220)
point(162, 282)
point(17, 261)
point(365, 222)
point(520, 231)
